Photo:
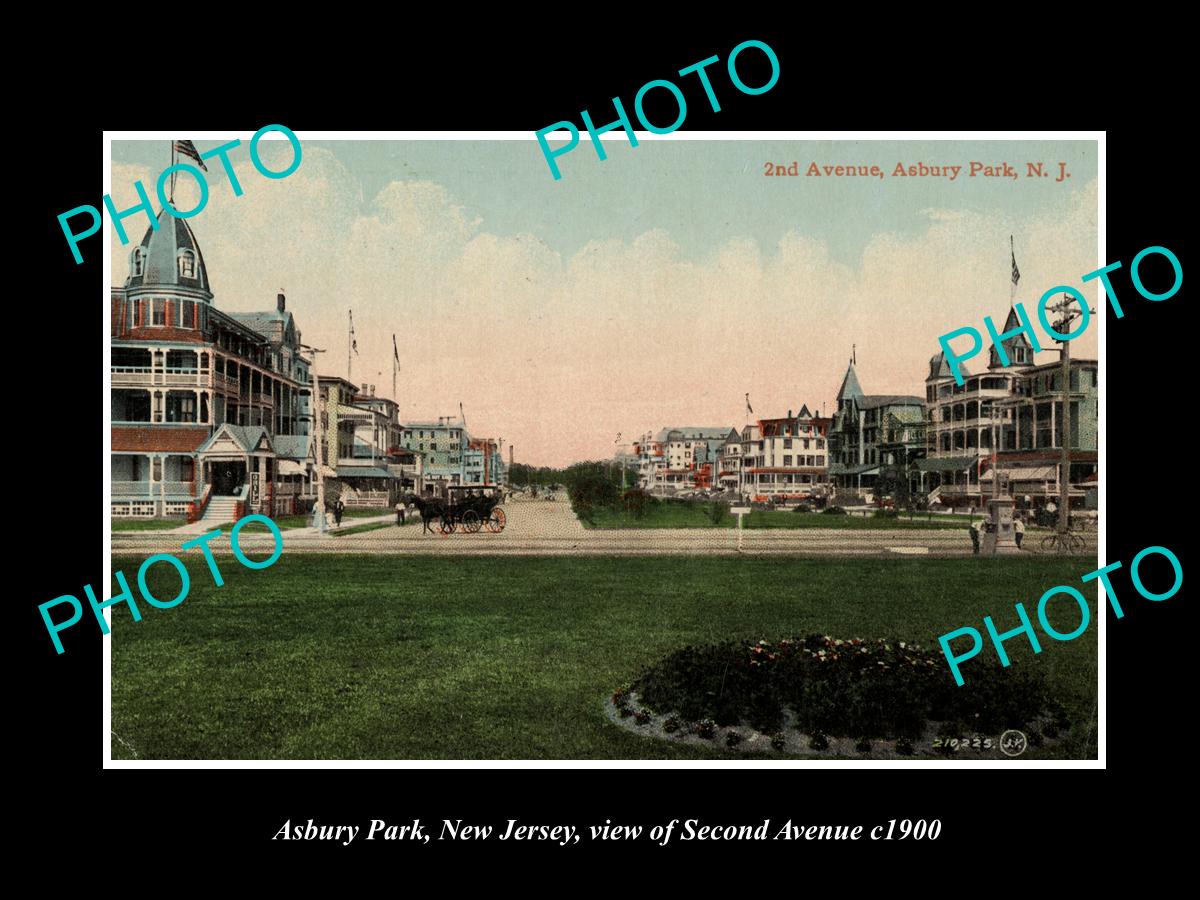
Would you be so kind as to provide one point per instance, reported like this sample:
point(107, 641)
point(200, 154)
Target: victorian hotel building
point(213, 412)
point(204, 402)
point(1008, 423)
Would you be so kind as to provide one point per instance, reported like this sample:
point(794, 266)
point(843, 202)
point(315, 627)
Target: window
point(820, 444)
point(787, 444)
point(820, 460)
point(189, 313)
point(187, 264)
point(787, 459)
point(137, 261)
point(158, 311)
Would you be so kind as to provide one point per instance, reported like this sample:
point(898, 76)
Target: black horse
point(430, 508)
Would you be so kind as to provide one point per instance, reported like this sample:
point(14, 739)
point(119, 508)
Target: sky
point(653, 289)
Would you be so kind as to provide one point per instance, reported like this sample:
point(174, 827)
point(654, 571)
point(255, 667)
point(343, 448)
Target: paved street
point(541, 528)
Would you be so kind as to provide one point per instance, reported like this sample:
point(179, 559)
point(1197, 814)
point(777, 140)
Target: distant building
point(863, 436)
point(784, 459)
point(673, 457)
point(483, 463)
point(729, 474)
point(443, 446)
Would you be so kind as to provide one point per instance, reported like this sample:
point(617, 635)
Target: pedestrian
point(400, 512)
point(975, 536)
point(1019, 528)
point(338, 508)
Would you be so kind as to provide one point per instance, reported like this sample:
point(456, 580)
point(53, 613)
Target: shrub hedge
point(843, 688)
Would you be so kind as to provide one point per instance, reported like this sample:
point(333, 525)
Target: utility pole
point(319, 429)
point(1068, 315)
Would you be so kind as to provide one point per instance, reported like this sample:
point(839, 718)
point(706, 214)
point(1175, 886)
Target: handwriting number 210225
point(965, 743)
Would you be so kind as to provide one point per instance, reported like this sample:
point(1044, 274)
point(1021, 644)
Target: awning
point(291, 467)
point(946, 464)
point(868, 469)
point(1031, 473)
point(363, 472)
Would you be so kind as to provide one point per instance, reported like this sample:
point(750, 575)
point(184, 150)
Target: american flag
point(187, 148)
point(353, 339)
point(1016, 273)
point(749, 408)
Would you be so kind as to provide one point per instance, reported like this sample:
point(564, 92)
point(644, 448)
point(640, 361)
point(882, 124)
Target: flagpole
point(171, 198)
point(349, 348)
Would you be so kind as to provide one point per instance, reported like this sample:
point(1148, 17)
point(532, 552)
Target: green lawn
point(124, 524)
point(332, 656)
point(305, 521)
point(359, 529)
point(684, 515)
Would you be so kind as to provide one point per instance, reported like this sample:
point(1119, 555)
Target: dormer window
point(137, 261)
point(187, 264)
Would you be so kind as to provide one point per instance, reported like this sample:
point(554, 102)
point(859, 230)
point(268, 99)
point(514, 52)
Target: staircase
point(220, 510)
point(934, 494)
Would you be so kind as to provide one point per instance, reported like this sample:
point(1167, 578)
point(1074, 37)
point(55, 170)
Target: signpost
point(739, 511)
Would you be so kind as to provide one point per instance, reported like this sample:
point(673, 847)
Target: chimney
point(364, 391)
point(789, 413)
point(280, 303)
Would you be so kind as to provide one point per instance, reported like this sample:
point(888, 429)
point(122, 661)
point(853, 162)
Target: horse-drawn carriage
point(471, 509)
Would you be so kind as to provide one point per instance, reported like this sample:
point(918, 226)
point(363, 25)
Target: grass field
point(284, 522)
point(288, 522)
point(344, 657)
point(124, 524)
point(684, 515)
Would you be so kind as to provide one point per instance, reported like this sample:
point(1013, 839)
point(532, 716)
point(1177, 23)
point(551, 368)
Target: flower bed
point(852, 697)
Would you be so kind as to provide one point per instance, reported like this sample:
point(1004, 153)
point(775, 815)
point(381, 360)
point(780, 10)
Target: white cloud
point(557, 354)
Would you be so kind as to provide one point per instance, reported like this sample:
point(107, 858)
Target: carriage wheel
point(447, 525)
point(495, 522)
point(471, 523)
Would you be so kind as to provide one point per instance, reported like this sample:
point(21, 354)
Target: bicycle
point(1063, 542)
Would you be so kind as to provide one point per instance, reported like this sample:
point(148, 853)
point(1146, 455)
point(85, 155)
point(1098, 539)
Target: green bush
point(833, 511)
point(886, 514)
point(717, 511)
point(637, 501)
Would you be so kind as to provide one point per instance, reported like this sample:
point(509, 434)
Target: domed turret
point(168, 257)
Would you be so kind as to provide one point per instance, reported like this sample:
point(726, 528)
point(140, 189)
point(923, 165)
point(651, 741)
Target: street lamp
point(320, 406)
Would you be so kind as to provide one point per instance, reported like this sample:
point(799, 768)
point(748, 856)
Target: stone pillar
point(999, 538)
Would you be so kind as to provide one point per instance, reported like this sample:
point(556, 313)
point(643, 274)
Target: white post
point(317, 435)
point(739, 511)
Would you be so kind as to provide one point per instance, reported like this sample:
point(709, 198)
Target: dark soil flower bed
point(830, 689)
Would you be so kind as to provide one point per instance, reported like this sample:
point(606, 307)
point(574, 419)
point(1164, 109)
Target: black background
point(994, 821)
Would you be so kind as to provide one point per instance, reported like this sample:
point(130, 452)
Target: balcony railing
point(151, 489)
point(144, 375)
